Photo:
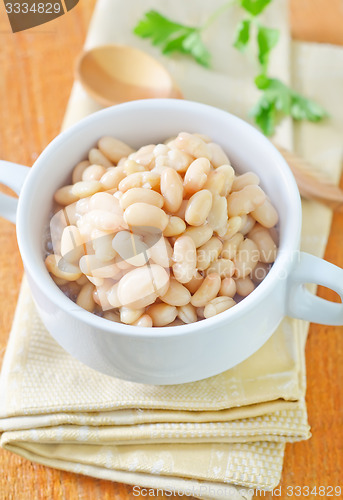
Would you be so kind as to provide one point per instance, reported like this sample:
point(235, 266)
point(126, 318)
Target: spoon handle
point(313, 184)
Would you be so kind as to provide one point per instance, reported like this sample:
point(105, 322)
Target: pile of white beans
point(216, 232)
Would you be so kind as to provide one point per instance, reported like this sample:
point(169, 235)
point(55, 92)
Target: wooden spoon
point(118, 73)
point(312, 183)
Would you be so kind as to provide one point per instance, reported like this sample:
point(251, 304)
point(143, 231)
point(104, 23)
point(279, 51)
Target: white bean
point(160, 150)
point(90, 265)
point(143, 214)
point(196, 176)
point(215, 181)
point(224, 267)
point(208, 253)
point(231, 245)
point(103, 220)
point(70, 214)
point(122, 161)
point(177, 294)
point(136, 195)
point(110, 294)
point(60, 268)
point(82, 281)
point(114, 149)
point(161, 252)
point(72, 244)
point(182, 210)
point(144, 321)
point(144, 155)
point(179, 160)
point(200, 312)
point(84, 189)
point(184, 258)
point(266, 214)
point(228, 287)
point(96, 281)
point(244, 286)
point(243, 180)
point(232, 227)
point(218, 305)
point(131, 249)
point(140, 287)
point(175, 227)
point(245, 201)
point(65, 195)
point(247, 224)
point(129, 316)
point(187, 313)
point(246, 258)
point(198, 208)
point(78, 171)
point(192, 145)
point(229, 174)
point(171, 189)
point(267, 248)
point(199, 234)
point(217, 218)
point(208, 289)
point(105, 201)
point(132, 167)
point(93, 173)
point(125, 265)
point(218, 157)
point(102, 245)
point(96, 157)
point(162, 314)
point(112, 177)
point(148, 180)
point(85, 297)
point(195, 282)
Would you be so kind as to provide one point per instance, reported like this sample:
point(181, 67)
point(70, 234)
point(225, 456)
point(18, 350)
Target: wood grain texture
point(317, 20)
point(35, 80)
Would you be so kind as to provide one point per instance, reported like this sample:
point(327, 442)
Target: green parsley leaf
point(276, 92)
point(306, 109)
point(278, 100)
point(173, 37)
point(262, 81)
point(267, 38)
point(156, 27)
point(264, 113)
point(242, 35)
point(194, 46)
point(254, 7)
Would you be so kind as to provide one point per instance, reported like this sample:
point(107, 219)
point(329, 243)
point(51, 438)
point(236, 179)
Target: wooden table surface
point(35, 80)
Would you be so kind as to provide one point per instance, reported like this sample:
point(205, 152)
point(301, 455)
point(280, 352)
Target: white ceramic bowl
point(178, 354)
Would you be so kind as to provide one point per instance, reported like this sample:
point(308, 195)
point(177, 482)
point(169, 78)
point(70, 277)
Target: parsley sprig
point(173, 37)
point(277, 99)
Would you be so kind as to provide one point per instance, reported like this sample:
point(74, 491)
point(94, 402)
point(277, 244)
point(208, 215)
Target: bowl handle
point(13, 176)
point(303, 304)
